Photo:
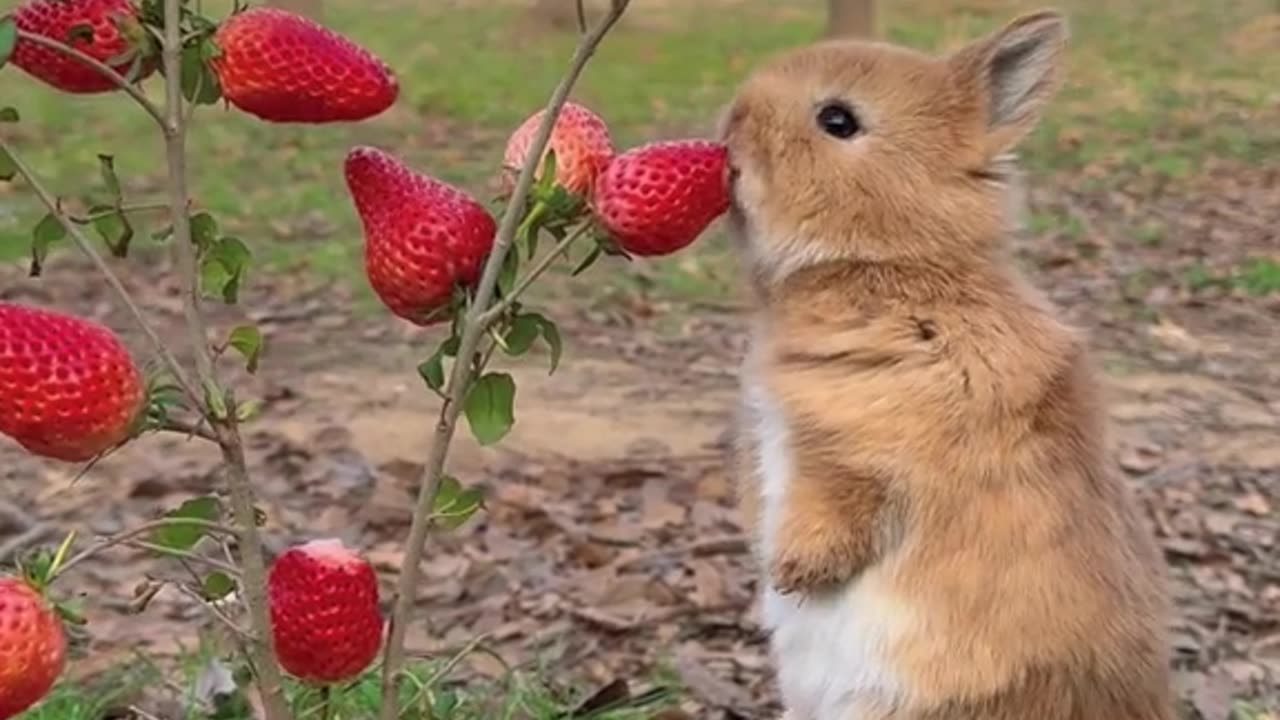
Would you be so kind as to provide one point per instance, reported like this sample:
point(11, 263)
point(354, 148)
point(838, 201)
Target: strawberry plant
point(433, 254)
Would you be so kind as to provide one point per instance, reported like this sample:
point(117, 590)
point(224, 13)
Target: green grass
point(1155, 89)
point(426, 696)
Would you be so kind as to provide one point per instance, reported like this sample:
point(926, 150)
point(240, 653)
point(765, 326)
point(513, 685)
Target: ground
point(610, 547)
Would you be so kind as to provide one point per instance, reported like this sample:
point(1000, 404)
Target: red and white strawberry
point(658, 198)
point(324, 611)
point(102, 29)
point(33, 647)
point(283, 67)
point(423, 237)
point(580, 140)
point(68, 388)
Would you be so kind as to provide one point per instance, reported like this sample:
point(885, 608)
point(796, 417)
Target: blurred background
point(611, 548)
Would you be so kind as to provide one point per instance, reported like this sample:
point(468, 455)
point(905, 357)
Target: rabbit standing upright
point(923, 445)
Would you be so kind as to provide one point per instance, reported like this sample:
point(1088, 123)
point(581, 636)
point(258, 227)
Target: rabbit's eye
point(838, 121)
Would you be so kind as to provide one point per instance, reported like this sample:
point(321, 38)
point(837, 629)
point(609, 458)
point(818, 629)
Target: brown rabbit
point(924, 447)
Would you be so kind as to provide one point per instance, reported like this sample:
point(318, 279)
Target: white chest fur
point(831, 652)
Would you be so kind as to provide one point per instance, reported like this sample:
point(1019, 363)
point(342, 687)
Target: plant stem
point(132, 533)
point(102, 68)
point(185, 555)
point(460, 376)
point(252, 562)
point(124, 210)
point(86, 246)
point(253, 566)
point(544, 263)
point(181, 427)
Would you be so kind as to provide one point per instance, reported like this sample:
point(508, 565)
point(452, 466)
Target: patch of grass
point(428, 695)
point(1260, 276)
point(93, 701)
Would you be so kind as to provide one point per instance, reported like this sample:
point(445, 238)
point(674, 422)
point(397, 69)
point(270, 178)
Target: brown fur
point(939, 411)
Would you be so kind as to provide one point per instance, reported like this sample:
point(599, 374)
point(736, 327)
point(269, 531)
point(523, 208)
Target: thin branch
point(142, 529)
point(253, 564)
point(83, 220)
point(86, 246)
point(544, 263)
point(460, 377)
point(231, 570)
point(102, 68)
point(238, 632)
point(181, 427)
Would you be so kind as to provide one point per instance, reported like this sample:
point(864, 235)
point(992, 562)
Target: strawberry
point(103, 29)
point(33, 648)
point(580, 140)
point(283, 67)
point(324, 611)
point(68, 388)
point(658, 198)
point(422, 236)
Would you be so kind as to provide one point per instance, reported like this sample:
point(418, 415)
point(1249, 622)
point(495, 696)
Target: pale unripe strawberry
point(580, 141)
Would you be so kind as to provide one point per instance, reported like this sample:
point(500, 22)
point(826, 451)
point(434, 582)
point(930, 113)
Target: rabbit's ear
point(1017, 70)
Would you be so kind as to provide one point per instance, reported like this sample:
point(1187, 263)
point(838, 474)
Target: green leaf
point(551, 334)
point(8, 169)
point(183, 536)
point(8, 114)
point(455, 504)
point(547, 180)
point(521, 335)
point(248, 410)
point(432, 372)
point(588, 261)
point(432, 369)
point(209, 49)
point(215, 400)
point(8, 38)
point(490, 407)
point(107, 165)
point(47, 232)
point(217, 585)
point(199, 84)
point(80, 31)
point(204, 231)
point(114, 228)
point(223, 267)
point(247, 340)
point(510, 269)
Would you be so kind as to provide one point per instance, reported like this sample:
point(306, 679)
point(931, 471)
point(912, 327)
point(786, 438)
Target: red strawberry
point(422, 237)
point(68, 388)
point(113, 24)
point(33, 648)
point(657, 199)
point(581, 143)
point(283, 67)
point(324, 611)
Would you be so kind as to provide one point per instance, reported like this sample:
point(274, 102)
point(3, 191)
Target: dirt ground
point(611, 547)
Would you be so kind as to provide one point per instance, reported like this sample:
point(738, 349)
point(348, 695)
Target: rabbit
point(922, 440)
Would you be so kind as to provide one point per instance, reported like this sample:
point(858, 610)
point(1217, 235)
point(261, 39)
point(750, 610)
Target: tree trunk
point(851, 18)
